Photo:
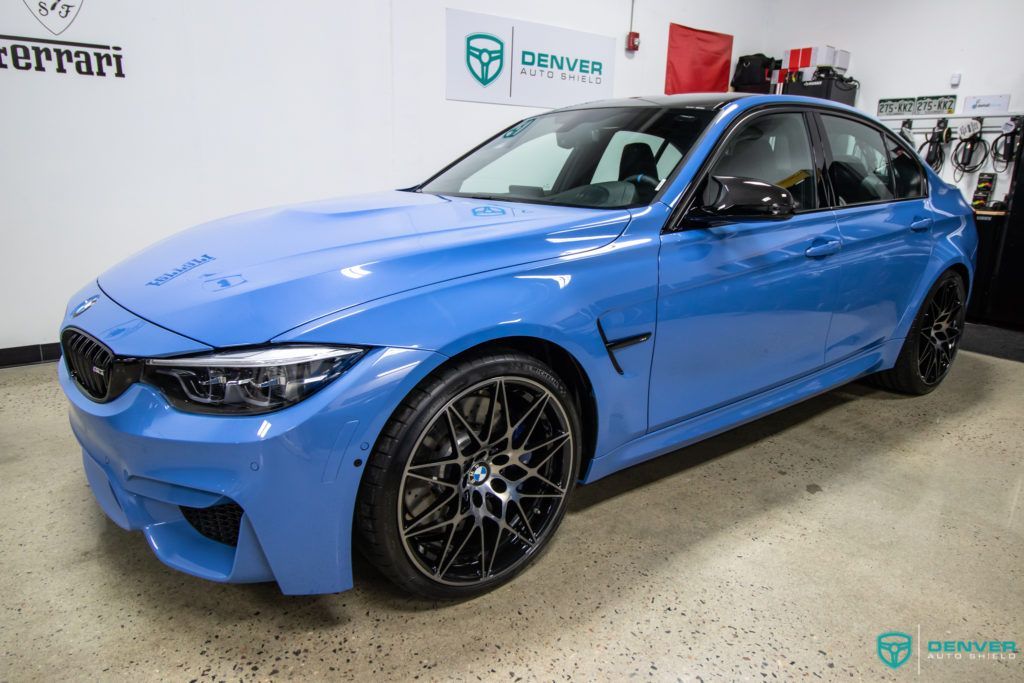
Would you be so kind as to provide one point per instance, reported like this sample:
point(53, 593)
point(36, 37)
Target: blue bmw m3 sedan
point(426, 374)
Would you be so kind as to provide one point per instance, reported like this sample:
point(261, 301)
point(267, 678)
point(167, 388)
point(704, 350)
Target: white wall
point(418, 29)
point(236, 104)
point(912, 47)
point(225, 106)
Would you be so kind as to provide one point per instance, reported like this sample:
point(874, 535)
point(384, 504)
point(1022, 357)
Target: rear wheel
point(932, 342)
point(471, 476)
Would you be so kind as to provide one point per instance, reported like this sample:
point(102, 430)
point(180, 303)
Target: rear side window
point(906, 172)
point(860, 170)
point(774, 148)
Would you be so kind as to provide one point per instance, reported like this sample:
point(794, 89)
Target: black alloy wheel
point(471, 477)
point(932, 341)
point(940, 330)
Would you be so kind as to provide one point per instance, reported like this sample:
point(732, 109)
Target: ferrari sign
point(492, 59)
point(54, 16)
point(32, 55)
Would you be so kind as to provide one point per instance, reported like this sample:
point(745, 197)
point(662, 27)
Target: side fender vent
point(613, 345)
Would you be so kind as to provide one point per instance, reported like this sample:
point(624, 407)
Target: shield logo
point(485, 57)
point(894, 648)
point(54, 15)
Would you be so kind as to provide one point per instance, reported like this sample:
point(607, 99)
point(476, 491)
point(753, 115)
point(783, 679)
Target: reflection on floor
point(777, 551)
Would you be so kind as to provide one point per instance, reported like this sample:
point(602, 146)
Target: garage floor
point(779, 550)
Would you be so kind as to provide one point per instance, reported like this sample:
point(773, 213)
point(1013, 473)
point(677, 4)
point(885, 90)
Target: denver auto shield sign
point(504, 61)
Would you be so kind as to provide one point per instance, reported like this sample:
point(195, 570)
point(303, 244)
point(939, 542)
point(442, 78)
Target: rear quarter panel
point(956, 243)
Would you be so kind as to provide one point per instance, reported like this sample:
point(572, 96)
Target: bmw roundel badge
point(84, 306)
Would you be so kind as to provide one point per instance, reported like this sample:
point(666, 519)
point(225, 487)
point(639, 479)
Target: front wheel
point(470, 477)
point(932, 342)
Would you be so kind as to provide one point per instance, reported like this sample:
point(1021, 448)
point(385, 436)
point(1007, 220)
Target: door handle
point(921, 224)
point(823, 249)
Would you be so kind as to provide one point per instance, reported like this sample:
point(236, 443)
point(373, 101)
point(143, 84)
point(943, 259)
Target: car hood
point(248, 278)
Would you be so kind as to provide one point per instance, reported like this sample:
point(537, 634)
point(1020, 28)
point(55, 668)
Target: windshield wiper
point(486, 197)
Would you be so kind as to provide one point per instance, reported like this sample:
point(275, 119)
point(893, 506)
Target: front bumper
point(295, 473)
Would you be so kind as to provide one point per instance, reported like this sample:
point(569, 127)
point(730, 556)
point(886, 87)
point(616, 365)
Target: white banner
point(493, 59)
point(987, 104)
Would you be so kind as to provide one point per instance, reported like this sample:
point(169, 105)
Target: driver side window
point(776, 149)
point(624, 156)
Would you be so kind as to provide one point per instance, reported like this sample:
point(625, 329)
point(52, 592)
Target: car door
point(746, 306)
point(878, 190)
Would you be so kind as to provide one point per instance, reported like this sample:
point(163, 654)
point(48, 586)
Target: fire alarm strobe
point(632, 41)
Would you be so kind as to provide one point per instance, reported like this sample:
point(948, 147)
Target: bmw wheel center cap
point(478, 474)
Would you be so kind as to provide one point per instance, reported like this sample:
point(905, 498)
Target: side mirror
point(734, 198)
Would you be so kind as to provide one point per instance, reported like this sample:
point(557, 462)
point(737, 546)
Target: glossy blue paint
point(683, 433)
point(125, 331)
point(879, 247)
point(558, 301)
point(753, 276)
point(292, 472)
point(264, 272)
point(746, 319)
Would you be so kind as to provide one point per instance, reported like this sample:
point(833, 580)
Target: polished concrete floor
point(777, 551)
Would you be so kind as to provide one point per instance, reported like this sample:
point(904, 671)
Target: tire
point(930, 348)
point(471, 476)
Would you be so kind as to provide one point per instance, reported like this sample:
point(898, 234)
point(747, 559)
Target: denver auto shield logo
point(54, 16)
point(894, 648)
point(485, 57)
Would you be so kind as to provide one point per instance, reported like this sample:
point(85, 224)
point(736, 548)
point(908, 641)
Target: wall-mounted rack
point(951, 117)
point(958, 117)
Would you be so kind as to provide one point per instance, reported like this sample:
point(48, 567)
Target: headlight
point(248, 382)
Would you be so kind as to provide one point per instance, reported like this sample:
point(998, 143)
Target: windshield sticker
point(518, 128)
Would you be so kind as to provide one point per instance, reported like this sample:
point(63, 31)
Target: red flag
point(698, 61)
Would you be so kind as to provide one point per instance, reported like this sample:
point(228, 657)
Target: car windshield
point(596, 158)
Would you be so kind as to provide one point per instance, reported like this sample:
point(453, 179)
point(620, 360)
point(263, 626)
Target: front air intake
point(217, 522)
point(89, 363)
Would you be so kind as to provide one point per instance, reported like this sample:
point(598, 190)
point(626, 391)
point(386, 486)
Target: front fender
point(559, 301)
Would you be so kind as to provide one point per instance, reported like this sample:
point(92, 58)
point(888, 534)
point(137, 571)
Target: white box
point(842, 61)
point(823, 56)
